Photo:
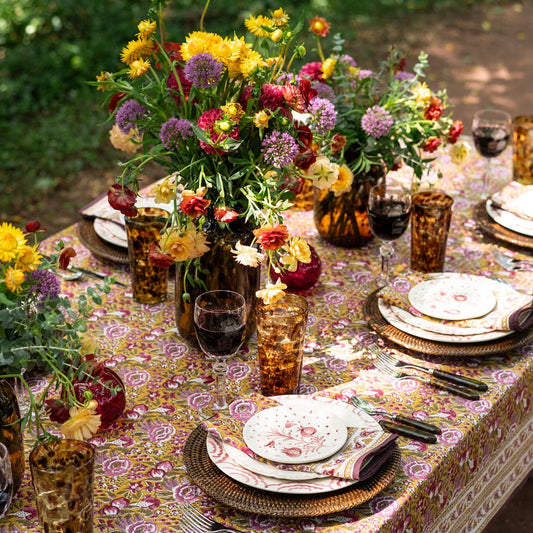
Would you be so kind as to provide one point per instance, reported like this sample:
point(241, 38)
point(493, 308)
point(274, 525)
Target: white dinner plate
point(111, 231)
point(510, 221)
point(453, 298)
point(294, 434)
point(236, 471)
point(404, 321)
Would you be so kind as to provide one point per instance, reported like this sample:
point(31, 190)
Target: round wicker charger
point(229, 492)
point(376, 321)
point(493, 229)
point(97, 246)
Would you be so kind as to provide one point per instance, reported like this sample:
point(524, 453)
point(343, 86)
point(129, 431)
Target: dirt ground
point(482, 56)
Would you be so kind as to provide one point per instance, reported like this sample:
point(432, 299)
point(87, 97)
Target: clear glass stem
point(221, 368)
point(487, 179)
point(385, 251)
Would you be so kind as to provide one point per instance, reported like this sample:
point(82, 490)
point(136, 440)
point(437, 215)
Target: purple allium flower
point(46, 284)
point(173, 131)
point(365, 73)
point(203, 70)
point(403, 76)
point(376, 122)
point(346, 59)
point(129, 113)
point(324, 91)
point(323, 114)
point(279, 149)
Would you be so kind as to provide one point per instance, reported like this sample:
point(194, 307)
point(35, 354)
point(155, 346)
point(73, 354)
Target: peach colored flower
point(247, 255)
point(183, 245)
point(83, 422)
point(123, 141)
point(272, 237)
point(272, 293)
point(344, 181)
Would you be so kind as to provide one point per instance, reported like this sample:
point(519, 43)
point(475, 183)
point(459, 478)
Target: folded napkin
point(365, 450)
point(513, 310)
point(516, 199)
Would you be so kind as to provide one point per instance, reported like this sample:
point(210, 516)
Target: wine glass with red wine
point(389, 209)
point(491, 129)
point(220, 322)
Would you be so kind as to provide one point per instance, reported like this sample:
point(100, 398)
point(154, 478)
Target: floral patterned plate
point(294, 434)
point(509, 220)
point(227, 464)
point(453, 298)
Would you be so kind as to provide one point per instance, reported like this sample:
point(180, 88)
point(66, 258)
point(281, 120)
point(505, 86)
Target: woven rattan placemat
point(493, 229)
point(229, 492)
point(97, 246)
point(376, 321)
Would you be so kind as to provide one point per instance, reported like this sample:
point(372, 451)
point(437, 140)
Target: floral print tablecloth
point(486, 446)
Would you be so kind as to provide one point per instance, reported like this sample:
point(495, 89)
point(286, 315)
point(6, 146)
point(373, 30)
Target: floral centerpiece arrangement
point(41, 333)
point(223, 115)
point(385, 119)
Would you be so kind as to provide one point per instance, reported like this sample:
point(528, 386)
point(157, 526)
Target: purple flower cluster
point(203, 70)
point(348, 60)
point(323, 115)
point(279, 149)
point(403, 76)
point(173, 131)
point(129, 113)
point(324, 91)
point(365, 73)
point(376, 122)
point(45, 285)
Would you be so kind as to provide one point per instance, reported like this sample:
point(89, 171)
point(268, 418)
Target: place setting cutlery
point(513, 264)
point(400, 424)
point(194, 521)
point(387, 368)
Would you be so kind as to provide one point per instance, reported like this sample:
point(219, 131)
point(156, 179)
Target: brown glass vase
point(10, 431)
point(218, 270)
point(342, 220)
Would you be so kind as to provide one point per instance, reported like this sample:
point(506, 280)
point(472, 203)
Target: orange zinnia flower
point(272, 238)
point(319, 26)
point(194, 204)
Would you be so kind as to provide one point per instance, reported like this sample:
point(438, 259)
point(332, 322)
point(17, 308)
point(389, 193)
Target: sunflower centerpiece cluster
point(235, 128)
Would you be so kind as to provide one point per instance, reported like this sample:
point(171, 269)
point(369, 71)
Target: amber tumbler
point(62, 474)
point(148, 282)
point(431, 214)
point(280, 340)
point(523, 149)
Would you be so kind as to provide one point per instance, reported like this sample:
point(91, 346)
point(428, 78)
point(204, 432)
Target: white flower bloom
point(247, 255)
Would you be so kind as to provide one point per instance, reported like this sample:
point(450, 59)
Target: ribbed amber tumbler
point(148, 282)
point(62, 474)
point(280, 340)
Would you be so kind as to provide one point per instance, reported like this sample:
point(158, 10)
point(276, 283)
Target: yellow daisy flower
point(136, 50)
point(280, 17)
point(14, 278)
point(199, 42)
point(164, 192)
point(261, 120)
point(12, 240)
point(102, 77)
point(146, 28)
point(328, 68)
point(138, 68)
point(28, 258)
point(422, 93)
point(255, 25)
point(234, 111)
point(251, 63)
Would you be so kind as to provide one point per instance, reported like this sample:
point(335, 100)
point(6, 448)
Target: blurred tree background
point(52, 122)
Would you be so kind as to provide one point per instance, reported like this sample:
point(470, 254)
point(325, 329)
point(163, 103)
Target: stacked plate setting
point(288, 440)
point(512, 208)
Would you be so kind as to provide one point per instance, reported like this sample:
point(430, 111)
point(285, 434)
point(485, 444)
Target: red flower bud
point(123, 199)
point(33, 226)
point(223, 214)
point(431, 144)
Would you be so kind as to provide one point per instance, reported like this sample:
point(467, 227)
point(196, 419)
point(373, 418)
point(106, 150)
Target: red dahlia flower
point(455, 131)
point(123, 199)
point(434, 110)
point(431, 144)
point(272, 238)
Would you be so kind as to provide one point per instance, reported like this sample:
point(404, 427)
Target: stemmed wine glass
point(491, 129)
point(389, 208)
point(220, 321)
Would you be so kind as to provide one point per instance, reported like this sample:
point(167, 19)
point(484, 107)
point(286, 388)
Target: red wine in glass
point(220, 323)
point(389, 210)
point(491, 129)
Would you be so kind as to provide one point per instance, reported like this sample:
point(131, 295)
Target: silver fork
point(193, 521)
point(512, 263)
point(390, 370)
point(462, 381)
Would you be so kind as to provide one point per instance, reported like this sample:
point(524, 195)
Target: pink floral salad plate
point(510, 220)
point(454, 298)
point(295, 434)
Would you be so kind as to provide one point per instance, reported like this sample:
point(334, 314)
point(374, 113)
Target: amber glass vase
point(10, 431)
point(342, 220)
point(218, 270)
